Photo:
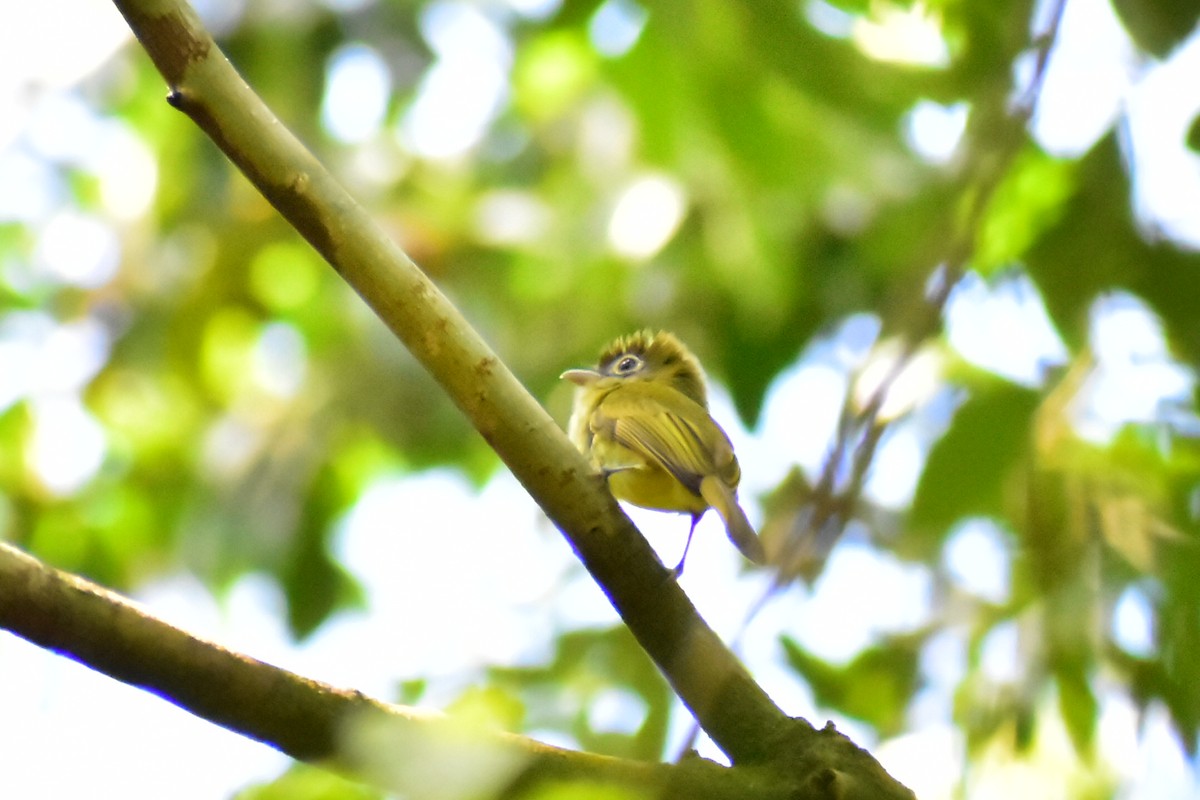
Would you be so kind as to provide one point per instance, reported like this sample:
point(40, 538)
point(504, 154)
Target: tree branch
point(402, 749)
point(728, 704)
point(307, 720)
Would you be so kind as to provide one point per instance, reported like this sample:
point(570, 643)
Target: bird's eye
point(627, 365)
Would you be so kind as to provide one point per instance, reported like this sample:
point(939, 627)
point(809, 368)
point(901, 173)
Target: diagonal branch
point(304, 718)
point(729, 705)
point(413, 752)
point(400, 748)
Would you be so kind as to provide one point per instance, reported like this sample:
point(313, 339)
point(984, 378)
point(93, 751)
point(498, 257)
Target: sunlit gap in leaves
point(617, 710)
point(815, 384)
point(934, 131)
point(67, 445)
point(863, 594)
point(977, 309)
point(280, 359)
point(62, 134)
point(534, 9)
point(57, 139)
point(1163, 105)
point(510, 217)
point(616, 26)
point(85, 35)
point(78, 249)
point(346, 6)
point(221, 17)
point(358, 86)
point(645, 217)
point(49, 364)
point(1086, 79)
point(902, 33)
point(1001, 660)
point(256, 368)
point(925, 757)
point(911, 387)
point(465, 88)
point(1133, 623)
point(1094, 76)
point(65, 130)
point(976, 557)
point(829, 19)
point(30, 188)
point(1135, 379)
point(431, 540)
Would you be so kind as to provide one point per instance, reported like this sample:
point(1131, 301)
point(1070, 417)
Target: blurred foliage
point(966, 471)
point(596, 680)
point(247, 398)
point(304, 782)
point(1157, 26)
point(875, 687)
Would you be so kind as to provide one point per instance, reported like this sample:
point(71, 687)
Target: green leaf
point(1177, 680)
point(875, 687)
point(1193, 135)
point(1158, 26)
point(584, 790)
point(983, 709)
point(1077, 703)
point(588, 667)
point(1028, 200)
point(1096, 247)
point(314, 583)
point(968, 468)
point(303, 782)
point(488, 707)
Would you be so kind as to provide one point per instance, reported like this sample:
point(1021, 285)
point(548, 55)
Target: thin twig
point(859, 432)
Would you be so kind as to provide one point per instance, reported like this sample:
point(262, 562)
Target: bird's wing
point(674, 432)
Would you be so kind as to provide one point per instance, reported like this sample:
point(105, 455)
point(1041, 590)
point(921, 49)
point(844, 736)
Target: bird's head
point(645, 356)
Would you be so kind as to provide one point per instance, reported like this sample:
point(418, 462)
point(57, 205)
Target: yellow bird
point(642, 416)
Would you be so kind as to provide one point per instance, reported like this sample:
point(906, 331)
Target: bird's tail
point(718, 495)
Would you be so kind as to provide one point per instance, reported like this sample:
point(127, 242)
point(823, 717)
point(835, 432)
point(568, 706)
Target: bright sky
point(117, 736)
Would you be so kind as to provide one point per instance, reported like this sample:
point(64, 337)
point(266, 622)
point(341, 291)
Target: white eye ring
point(627, 364)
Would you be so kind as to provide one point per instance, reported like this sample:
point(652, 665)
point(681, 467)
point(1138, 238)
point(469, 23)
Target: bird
point(641, 416)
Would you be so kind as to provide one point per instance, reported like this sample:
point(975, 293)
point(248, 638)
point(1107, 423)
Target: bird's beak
point(581, 377)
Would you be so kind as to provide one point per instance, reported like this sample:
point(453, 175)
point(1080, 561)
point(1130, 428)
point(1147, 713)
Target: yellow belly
point(654, 488)
point(632, 479)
